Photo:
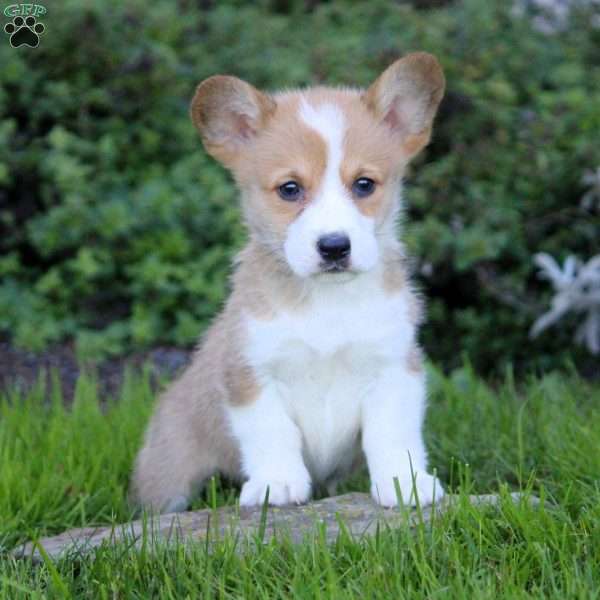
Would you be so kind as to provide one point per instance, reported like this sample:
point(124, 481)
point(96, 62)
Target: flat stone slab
point(356, 513)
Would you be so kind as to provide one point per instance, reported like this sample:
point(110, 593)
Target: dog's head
point(320, 168)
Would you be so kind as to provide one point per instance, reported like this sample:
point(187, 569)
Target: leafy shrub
point(117, 230)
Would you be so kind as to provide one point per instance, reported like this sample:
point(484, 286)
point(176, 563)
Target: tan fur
point(286, 150)
point(414, 360)
point(188, 438)
point(260, 138)
point(394, 275)
point(228, 112)
point(397, 97)
point(263, 284)
point(242, 386)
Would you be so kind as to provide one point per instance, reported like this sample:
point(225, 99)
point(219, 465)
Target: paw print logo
point(24, 32)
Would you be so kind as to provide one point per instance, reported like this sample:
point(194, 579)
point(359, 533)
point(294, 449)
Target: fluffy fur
point(306, 366)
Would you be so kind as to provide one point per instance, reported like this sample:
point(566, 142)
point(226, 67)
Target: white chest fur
point(323, 361)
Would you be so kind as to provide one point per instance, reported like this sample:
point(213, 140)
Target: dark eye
point(363, 186)
point(290, 191)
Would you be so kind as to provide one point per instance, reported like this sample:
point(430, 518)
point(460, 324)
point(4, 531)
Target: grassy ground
point(62, 468)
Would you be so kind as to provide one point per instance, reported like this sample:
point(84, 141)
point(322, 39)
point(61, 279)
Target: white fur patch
point(332, 210)
point(329, 373)
point(271, 451)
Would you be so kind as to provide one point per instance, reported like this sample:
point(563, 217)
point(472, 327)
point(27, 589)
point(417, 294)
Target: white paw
point(281, 491)
point(176, 504)
point(428, 489)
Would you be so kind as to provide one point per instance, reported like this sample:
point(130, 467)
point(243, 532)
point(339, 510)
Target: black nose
point(334, 246)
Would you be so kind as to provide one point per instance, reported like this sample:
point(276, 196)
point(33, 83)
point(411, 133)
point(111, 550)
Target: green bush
point(117, 230)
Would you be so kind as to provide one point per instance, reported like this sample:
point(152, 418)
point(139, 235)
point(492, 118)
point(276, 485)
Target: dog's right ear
point(228, 113)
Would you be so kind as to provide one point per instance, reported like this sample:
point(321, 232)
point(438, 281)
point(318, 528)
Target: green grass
point(64, 467)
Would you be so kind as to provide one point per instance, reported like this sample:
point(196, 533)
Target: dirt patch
point(22, 369)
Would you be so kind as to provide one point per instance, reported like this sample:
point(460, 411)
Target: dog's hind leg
point(187, 442)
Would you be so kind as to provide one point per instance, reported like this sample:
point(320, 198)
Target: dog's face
point(320, 169)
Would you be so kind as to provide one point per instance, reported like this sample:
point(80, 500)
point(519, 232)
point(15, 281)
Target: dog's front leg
point(392, 439)
point(271, 452)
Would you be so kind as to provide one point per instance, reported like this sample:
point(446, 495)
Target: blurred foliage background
point(117, 230)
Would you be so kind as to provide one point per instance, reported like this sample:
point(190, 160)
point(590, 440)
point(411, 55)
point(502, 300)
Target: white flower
point(577, 288)
point(552, 16)
point(592, 196)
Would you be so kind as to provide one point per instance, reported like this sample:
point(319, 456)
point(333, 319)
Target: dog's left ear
point(406, 97)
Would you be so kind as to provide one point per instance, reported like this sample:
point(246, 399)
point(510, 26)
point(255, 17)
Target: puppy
point(314, 357)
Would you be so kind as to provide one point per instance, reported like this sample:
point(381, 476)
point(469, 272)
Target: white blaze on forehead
point(332, 209)
point(328, 121)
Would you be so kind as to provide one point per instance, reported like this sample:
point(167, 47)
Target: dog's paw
point(281, 491)
point(176, 504)
point(427, 487)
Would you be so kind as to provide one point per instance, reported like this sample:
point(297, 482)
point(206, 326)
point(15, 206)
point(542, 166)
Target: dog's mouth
point(336, 268)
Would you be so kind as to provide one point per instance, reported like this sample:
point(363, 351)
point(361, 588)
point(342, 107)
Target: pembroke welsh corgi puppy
point(314, 356)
